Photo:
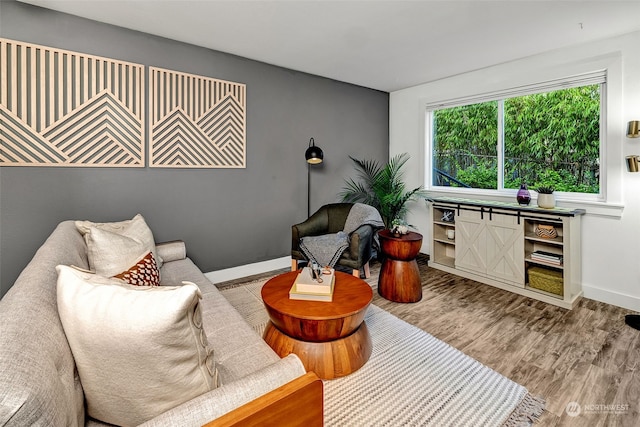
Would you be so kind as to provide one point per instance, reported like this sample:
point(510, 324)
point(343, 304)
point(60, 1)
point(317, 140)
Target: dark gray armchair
point(331, 219)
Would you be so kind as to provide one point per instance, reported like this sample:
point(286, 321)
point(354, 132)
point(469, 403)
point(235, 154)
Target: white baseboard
point(613, 298)
point(248, 270)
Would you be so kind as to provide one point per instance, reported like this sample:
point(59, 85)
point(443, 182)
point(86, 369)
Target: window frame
point(599, 77)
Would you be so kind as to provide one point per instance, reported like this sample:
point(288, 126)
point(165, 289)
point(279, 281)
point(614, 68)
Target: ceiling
point(384, 45)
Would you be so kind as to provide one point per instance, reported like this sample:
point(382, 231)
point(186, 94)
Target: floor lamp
point(314, 156)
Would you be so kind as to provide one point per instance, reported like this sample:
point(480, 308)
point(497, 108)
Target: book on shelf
point(551, 258)
point(545, 258)
point(295, 293)
point(307, 283)
point(548, 257)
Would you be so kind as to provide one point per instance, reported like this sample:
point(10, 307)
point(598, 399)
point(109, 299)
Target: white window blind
point(586, 79)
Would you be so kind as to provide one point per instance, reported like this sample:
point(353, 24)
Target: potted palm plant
point(382, 187)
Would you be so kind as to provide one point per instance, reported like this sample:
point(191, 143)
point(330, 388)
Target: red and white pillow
point(144, 273)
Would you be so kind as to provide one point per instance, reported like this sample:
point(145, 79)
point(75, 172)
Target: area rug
point(411, 379)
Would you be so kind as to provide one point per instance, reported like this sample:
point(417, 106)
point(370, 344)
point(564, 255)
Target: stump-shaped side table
point(399, 278)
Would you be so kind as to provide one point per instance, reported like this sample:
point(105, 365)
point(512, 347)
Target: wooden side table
point(331, 338)
point(399, 278)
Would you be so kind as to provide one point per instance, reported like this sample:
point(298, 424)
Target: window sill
point(592, 208)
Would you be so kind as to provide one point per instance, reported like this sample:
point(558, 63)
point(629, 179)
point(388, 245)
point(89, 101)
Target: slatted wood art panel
point(62, 108)
point(195, 121)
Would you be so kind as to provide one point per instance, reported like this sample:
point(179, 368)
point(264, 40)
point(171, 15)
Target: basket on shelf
point(546, 280)
point(546, 231)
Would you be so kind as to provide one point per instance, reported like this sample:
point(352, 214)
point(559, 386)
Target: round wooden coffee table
point(331, 338)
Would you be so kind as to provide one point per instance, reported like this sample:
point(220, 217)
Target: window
point(541, 135)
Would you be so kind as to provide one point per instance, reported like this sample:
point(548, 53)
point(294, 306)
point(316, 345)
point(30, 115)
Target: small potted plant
point(546, 198)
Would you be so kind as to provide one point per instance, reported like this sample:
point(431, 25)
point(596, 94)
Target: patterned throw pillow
point(143, 273)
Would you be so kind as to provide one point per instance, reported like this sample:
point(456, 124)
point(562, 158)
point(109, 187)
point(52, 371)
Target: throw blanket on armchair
point(326, 250)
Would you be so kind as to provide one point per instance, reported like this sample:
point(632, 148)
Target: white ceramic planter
point(546, 201)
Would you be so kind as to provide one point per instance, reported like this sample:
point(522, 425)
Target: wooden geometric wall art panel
point(195, 121)
point(62, 108)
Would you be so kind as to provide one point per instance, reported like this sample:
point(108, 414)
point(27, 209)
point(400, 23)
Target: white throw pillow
point(114, 255)
point(140, 351)
point(135, 228)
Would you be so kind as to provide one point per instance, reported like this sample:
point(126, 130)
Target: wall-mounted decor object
point(196, 121)
point(633, 131)
point(62, 108)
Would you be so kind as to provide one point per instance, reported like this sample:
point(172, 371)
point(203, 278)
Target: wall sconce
point(314, 156)
point(633, 131)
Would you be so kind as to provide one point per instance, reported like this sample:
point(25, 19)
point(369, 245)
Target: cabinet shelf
point(443, 248)
point(543, 264)
point(446, 261)
point(535, 238)
point(445, 240)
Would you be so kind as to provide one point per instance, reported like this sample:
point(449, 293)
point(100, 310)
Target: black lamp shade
point(314, 155)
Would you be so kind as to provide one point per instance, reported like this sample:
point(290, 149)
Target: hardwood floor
point(585, 355)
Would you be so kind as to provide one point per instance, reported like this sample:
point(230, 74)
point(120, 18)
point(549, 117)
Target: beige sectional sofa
point(39, 380)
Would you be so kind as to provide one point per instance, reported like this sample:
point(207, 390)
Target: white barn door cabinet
point(527, 250)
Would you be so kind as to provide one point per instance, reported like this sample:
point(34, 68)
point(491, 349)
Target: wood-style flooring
point(586, 355)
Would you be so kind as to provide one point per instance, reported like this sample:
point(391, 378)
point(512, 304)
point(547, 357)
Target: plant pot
point(547, 201)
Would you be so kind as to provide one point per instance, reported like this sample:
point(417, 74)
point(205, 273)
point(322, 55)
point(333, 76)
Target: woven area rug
point(411, 379)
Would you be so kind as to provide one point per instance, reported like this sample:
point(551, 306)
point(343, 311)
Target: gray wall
point(227, 217)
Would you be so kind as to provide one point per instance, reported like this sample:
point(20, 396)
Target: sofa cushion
point(115, 255)
point(39, 385)
point(135, 228)
point(240, 351)
point(140, 351)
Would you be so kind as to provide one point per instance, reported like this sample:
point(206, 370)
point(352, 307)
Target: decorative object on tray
point(314, 284)
point(448, 216)
point(546, 231)
point(399, 227)
point(523, 196)
point(546, 198)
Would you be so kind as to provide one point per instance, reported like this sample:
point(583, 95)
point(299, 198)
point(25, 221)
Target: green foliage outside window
point(550, 139)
